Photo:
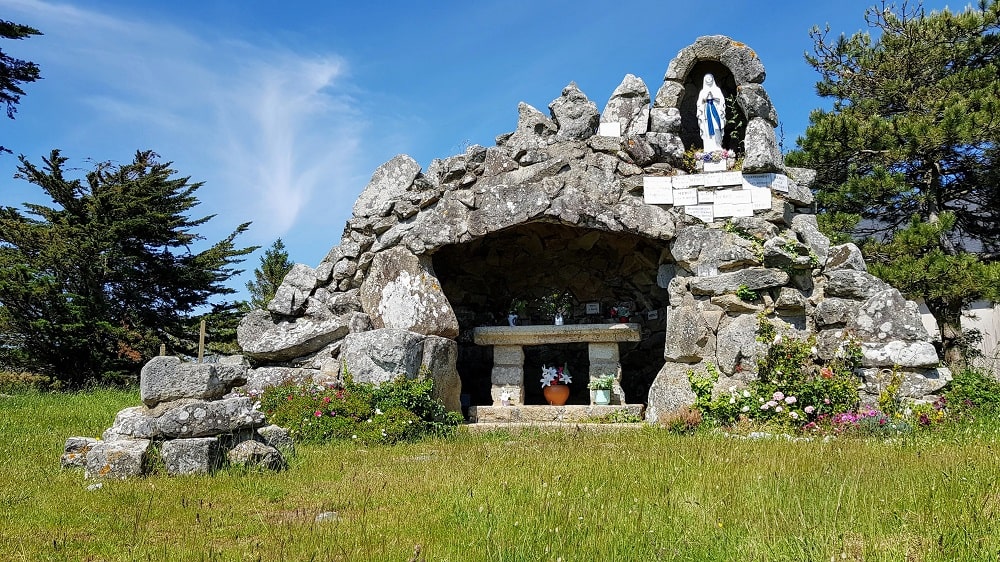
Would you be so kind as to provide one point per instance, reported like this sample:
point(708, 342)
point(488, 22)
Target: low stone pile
point(189, 420)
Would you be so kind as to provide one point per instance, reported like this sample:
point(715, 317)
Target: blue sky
point(284, 110)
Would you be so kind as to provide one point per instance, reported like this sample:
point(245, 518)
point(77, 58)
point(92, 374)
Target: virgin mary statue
point(711, 114)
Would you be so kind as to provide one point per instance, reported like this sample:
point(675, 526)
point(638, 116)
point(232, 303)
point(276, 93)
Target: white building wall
point(980, 315)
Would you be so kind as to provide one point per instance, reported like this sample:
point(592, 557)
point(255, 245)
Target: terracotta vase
point(556, 394)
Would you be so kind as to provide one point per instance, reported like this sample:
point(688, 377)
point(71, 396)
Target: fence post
point(201, 341)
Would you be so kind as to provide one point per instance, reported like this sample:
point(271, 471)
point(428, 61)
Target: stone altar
point(508, 355)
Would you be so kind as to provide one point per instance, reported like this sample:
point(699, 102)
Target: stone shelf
point(508, 354)
point(545, 414)
point(544, 334)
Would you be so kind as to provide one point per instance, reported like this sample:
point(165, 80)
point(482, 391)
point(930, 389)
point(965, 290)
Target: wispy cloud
point(267, 128)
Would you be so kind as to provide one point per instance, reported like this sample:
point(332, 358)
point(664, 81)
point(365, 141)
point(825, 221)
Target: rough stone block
point(191, 456)
point(122, 459)
point(75, 451)
point(204, 419)
point(508, 355)
point(279, 438)
point(256, 455)
point(509, 376)
point(164, 379)
point(401, 291)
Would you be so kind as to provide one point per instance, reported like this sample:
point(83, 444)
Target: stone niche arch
point(481, 277)
point(736, 125)
point(739, 73)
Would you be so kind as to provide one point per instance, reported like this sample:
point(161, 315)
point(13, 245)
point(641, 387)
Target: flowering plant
point(603, 382)
point(714, 156)
point(554, 375)
point(621, 311)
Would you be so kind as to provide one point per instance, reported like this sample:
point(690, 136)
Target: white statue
point(711, 114)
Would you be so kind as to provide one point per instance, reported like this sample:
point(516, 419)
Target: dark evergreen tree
point(907, 156)
point(274, 265)
point(91, 285)
point(14, 72)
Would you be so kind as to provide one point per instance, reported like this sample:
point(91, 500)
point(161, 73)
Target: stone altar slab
point(507, 377)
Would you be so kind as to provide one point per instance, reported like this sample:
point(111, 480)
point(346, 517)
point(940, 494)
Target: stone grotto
point(652, 248)
point(595, 205)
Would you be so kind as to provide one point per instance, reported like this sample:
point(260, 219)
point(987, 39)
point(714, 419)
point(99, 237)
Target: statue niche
point(692, 108)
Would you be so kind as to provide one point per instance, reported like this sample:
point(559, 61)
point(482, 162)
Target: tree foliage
point(91, 285)
point(274, 265)
point(906, 157)
point(14, 72)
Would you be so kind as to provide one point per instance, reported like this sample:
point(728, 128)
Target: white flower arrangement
point(553, 375)
point(714, 156)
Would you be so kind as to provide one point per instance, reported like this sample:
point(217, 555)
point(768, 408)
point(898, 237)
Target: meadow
point(644, 494)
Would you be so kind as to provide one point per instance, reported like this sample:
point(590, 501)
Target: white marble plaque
point(722, 179)
point(685, 197)
point(684, 182)
point(780, 183)
point(719, 166)
point(733, 209)
point(742, 209)
point(657, 191)
point(704, 213)
point(722, 209)
point(610, 129)
point(730, 178)
point(706, 196)
point(758, 180)
point(761, 197)
point(733, 196)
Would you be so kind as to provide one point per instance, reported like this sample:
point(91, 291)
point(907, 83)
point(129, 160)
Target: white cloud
point(268, 129)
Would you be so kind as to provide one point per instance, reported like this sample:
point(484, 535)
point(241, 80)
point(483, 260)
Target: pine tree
point(91, 285)
point(907, 157)
point(14, 72)
point(274, 265)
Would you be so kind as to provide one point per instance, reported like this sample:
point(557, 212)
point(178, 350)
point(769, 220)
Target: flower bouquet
point(716, 160)
point(555, 375)
point(554, 384)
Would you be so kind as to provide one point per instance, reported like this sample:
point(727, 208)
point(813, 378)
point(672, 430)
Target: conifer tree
point(93, 284)
point(14, 72)
point(907, 156)
point(274, 265)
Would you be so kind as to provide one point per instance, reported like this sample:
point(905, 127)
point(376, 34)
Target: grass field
point(529, 495)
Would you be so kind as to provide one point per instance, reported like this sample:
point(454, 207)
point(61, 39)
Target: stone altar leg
point(604, 361)
point(508, 374)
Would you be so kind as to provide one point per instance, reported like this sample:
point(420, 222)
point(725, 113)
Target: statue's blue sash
point(712, 115)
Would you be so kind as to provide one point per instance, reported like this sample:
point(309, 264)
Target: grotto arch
point(482, 277)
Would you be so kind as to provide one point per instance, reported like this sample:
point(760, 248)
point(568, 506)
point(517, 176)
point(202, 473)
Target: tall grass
point(526, 495)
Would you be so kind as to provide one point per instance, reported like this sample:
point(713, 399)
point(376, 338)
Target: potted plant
point(556, 304)
point(602, 386)
point(517, 310)
point(555, 383)
point(622, 312)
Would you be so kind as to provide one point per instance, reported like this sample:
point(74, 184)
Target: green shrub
point(793, 387)
point(399, 410)
point(746, 294)
point(973, 390)
point(16, 382)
